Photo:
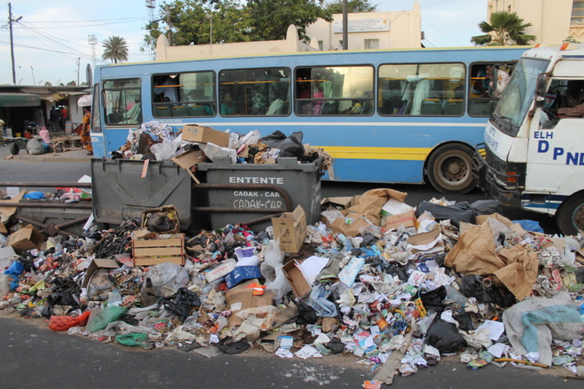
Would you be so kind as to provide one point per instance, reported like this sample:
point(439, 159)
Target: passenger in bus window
point(572, 112)
point(276, 103)
point(228, 106)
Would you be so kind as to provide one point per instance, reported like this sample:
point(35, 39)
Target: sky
point(51, 40)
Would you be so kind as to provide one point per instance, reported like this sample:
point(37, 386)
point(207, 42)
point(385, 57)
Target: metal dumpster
point(237, 193)
point(120, 192)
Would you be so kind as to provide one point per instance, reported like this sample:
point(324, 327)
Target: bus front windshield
point(518, 95)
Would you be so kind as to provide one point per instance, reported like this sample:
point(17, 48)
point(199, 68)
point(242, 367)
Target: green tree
point(353, 6)
point(503, 29)
point(116, 49)
point(256, 20)
point(271, 18)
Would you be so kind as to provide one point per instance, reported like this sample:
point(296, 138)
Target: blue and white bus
point(385, 116)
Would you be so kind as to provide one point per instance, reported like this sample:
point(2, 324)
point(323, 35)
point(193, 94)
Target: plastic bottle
point(454, 296)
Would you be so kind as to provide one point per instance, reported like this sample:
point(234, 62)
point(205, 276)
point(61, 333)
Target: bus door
point(556, 147)
point(121, 111)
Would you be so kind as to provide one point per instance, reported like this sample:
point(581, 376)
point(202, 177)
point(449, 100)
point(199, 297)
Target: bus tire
point(570, 216)
point(450, 169)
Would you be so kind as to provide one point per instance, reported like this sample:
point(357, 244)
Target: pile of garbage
point(158, 141)
point(394, 286)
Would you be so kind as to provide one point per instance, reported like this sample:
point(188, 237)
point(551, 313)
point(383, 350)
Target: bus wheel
point(570, 216)
point(450, 169)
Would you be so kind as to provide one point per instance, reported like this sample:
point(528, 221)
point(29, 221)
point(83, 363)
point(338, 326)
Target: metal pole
point(11, 42)
point(345, 25)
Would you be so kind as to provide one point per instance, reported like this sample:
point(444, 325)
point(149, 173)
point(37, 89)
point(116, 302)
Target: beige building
point(371, 30)
point(552, 20)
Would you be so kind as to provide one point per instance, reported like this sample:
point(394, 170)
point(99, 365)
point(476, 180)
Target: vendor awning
point(19, 100)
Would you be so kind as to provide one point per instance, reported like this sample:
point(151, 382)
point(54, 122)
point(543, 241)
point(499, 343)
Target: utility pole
point(78, 61)
point(32, 70)
point(345, 25)
point(10, 21)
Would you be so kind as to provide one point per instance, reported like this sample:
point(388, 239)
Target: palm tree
point(116, 49)
point(504, 28)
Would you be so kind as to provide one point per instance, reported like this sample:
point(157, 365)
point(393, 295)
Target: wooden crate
point(155, 251)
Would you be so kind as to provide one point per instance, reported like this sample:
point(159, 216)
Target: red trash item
point(62, 323)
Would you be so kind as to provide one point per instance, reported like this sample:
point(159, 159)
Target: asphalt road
point(35, 357)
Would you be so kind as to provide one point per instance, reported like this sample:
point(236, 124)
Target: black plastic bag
point(289, 146)
point(182, 303)
point(459, 212)
point(432, 300)
point(306, 314)
point(486, 207)
point(445, 337)
point(472, 286)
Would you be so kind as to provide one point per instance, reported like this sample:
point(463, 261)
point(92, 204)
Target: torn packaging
point(475, 254)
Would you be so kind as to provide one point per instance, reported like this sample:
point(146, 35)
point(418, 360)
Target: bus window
point(122, 102)
point(184, 95)
point(334, 90)
point(484, 92)
point(434, 89)
point(262, 91)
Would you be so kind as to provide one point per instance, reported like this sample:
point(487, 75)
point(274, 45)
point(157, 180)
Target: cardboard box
point(98, 263)
point(168, 210)
point(296, 279)
point(290, 229)
point(241, 297)
point(27, 238)
point(242, 273)
point(155, 251)
point(480, 219)
point(221, 270)
point(3, 229)
point(407, 219)
point(194, 133)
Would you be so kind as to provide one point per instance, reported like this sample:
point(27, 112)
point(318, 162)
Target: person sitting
point(572, 95)
point(46, 138)
point(571, 112)
point(228, 106)
point(276, 104)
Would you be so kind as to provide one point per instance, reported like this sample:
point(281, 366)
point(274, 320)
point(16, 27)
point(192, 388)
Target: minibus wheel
point(450, 169)
point(570, 216)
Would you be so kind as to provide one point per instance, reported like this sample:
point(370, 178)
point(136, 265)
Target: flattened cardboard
point(407, 219)
point(200, 134)
point(341, 201)
point(296, 279)
point(190, 159)
point(27, 238)
point(3, 229)
point(480, 219)
point(98, 263)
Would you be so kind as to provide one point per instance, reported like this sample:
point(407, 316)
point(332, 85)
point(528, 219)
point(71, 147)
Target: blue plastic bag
point(529, 225)
point(34, 196)
point(14, 271)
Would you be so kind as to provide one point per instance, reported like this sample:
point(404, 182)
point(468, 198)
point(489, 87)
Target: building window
point(371, 44)
point(577, 13)
point(321, 45)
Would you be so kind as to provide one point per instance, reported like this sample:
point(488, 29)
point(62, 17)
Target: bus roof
point(324, 53)
point(554, 53)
